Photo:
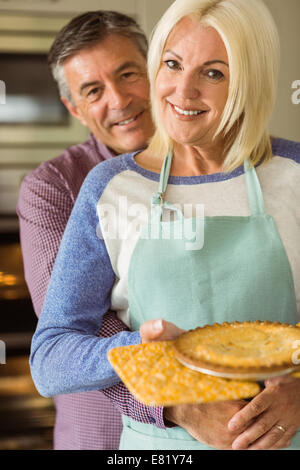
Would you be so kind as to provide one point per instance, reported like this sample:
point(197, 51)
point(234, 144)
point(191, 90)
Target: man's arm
point(44, 207)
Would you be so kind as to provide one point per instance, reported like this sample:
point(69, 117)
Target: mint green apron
point(241, 272)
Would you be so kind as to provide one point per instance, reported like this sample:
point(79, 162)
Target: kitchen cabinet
point(67, 6)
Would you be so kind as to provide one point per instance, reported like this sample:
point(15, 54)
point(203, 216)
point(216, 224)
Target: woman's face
point(192, 83)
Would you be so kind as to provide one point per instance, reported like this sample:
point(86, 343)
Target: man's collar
point(104, 151)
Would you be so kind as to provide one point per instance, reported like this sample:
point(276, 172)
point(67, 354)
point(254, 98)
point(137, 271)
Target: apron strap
point(255, 197)
point(163, 179)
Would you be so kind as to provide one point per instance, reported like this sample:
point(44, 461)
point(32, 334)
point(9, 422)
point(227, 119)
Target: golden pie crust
point(259, 346)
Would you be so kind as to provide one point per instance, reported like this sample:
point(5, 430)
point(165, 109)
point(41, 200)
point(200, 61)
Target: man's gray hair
point(86, 30)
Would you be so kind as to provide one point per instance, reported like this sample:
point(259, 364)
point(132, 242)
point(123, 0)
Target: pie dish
point(246, 350)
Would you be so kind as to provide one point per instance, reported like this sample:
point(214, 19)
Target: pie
point(259, 346)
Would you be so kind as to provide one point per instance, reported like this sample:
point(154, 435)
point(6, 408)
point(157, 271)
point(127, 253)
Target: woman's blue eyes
point(211, 74)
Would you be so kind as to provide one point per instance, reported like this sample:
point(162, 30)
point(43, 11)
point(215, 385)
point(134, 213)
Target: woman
point(213, 68)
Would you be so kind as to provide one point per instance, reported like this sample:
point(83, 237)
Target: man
point(99, 62)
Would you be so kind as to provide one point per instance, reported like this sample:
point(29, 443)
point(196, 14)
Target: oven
point(34, 124)
point(33, 121)
point(26, 418)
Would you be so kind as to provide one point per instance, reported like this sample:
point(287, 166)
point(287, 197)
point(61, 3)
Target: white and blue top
point(90, 274)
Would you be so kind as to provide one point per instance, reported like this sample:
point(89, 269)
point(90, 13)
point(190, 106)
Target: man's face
point(110, 90)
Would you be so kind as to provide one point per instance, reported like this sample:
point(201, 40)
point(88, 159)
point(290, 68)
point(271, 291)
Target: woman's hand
point(159, 330)
point(276, 415)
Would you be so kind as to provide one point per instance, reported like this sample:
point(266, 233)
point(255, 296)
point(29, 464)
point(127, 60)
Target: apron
point(239, 272)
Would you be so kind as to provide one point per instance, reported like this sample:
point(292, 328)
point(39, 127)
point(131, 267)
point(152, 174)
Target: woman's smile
point(184, 113)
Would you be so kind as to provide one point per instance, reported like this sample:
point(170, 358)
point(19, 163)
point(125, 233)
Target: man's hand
point(271, 419)
point(207, 422)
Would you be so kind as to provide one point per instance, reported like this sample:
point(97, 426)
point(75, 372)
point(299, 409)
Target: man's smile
point(128, 121)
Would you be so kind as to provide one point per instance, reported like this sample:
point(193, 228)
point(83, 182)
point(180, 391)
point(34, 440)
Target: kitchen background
point(34, 126)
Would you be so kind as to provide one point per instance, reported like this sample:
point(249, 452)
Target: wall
point(149, 12)
point(286, 117)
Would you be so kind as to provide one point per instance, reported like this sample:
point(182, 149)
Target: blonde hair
point(251, 40)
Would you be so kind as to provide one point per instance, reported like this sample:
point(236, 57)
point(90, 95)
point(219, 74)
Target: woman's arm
point(44, 207)
point(66, 354)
